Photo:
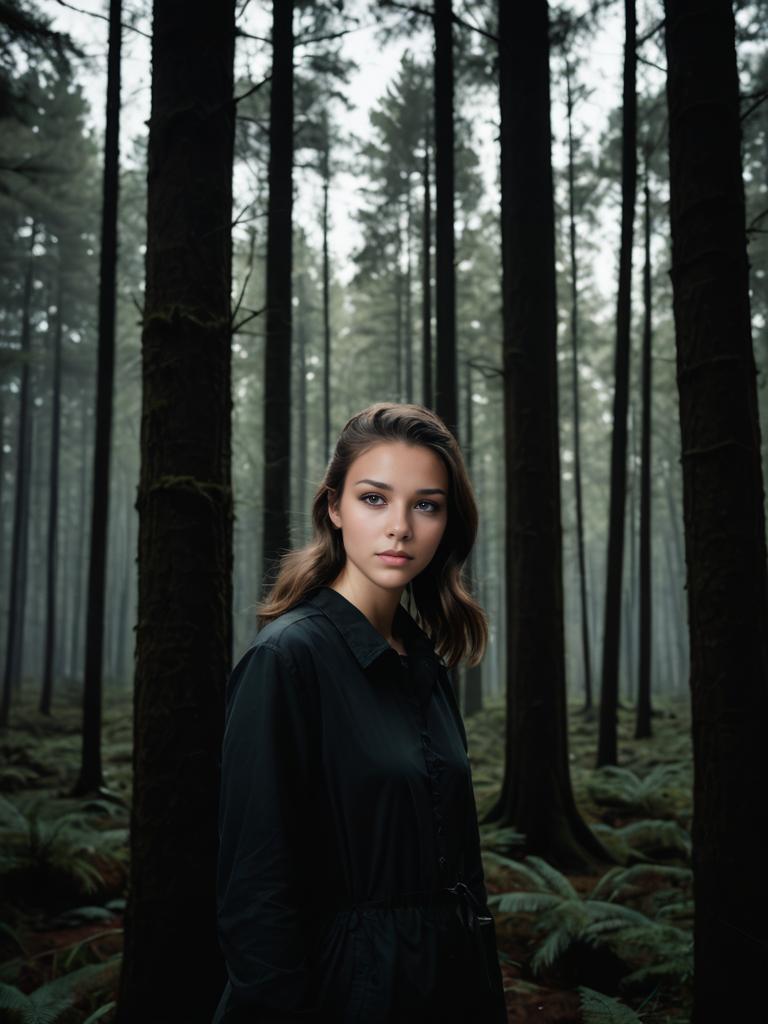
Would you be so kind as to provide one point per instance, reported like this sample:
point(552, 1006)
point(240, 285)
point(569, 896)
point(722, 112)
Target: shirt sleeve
point(262, 879)
point(493, 1008)
point(473, 864)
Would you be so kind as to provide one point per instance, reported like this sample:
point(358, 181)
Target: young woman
point(350, 884)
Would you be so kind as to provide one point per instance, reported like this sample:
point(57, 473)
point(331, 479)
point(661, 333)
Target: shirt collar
point(365, 642)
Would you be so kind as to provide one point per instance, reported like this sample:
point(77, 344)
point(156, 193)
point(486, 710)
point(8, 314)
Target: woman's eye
point(434, 507)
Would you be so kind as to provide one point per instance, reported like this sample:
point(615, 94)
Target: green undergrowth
point(620, 941)
point(606, 948)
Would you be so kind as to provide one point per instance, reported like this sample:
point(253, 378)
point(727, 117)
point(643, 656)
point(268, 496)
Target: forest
point(225, 227)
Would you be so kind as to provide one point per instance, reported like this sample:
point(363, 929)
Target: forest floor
point(566, 956)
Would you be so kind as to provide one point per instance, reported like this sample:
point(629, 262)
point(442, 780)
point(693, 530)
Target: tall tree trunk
point(627, 635)
point(675, 555)
point(2, 488)
point(172, 966)
point(446, 385)
point(90, 779)
point(302, 313)
point(723, 512)
point(327, 449)
point(586, 652)
point(399, 309)
point(473, 675)
point(644, 711)
point(536, 796)
point(408, 333)
point(15, 634)
point(426, 285)
point(53, 511)
point(277, 362)
point(124, 621)
point(609, 694)
point(29, 563)
point(77, 633)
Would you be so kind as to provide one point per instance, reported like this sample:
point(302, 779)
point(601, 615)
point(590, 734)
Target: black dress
point(350, 885)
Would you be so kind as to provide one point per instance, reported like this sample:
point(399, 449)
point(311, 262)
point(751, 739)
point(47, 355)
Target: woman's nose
point(399, 521)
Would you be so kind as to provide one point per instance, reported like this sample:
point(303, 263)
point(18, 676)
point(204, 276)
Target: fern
point(637, 840)
point(503, 837)
point(61, 847)
point(515, 866)
point(655, 794)
point(625, 882)
point(670, 947)
point(565, 917)
point(100, 1012)
point(47, 1004)
point(598, 1008)
point(681, 909)
point(557, 881)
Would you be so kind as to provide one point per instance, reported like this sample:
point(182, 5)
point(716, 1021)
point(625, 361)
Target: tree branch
point(253, 88)
point(650, 64)
point(752, 227)
point(760, 98)
point(102, 17)
point(650, 33)
point(254, 313)
point(425, 12)
point(322, 39)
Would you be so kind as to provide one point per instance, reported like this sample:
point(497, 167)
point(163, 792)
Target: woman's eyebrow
point(388, 487)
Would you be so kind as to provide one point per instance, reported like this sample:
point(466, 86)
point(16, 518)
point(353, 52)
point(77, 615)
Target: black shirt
point(347, 812)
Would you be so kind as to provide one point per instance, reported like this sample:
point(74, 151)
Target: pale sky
point(601, 66)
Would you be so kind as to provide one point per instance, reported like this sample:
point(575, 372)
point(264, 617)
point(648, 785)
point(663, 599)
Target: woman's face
point(395, 497)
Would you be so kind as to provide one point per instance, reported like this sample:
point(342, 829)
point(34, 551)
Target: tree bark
point(277, 362)
point(90, 779)
point(302, 461)
point(609, 693)
point(15, 633)
point(172, 965)
point(46, 694)
point(723, 508)
point(408, 305)
point(326, 168)
point(446, 394)
point(2, 487)
point(586, 652)
point(77, 633)
point(473, 674)
point(536, 796)
point(644, 710)
point(426, 285)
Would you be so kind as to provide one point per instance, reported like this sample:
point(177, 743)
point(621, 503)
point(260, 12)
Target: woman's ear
point(333, 514)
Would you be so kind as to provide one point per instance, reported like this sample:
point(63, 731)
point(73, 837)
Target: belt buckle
point(467, 908)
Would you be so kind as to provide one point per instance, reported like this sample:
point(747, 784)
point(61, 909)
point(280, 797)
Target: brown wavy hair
point(438, 598)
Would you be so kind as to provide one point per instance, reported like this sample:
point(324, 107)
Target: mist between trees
point(178, 353)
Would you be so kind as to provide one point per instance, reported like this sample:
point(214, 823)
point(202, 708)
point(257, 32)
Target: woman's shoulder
point(293, 635)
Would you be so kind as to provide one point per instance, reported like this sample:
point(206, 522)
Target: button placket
point(435, 765)
point(434, 762)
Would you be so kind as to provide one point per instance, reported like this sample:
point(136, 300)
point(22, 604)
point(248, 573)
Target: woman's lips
point(394, 559)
